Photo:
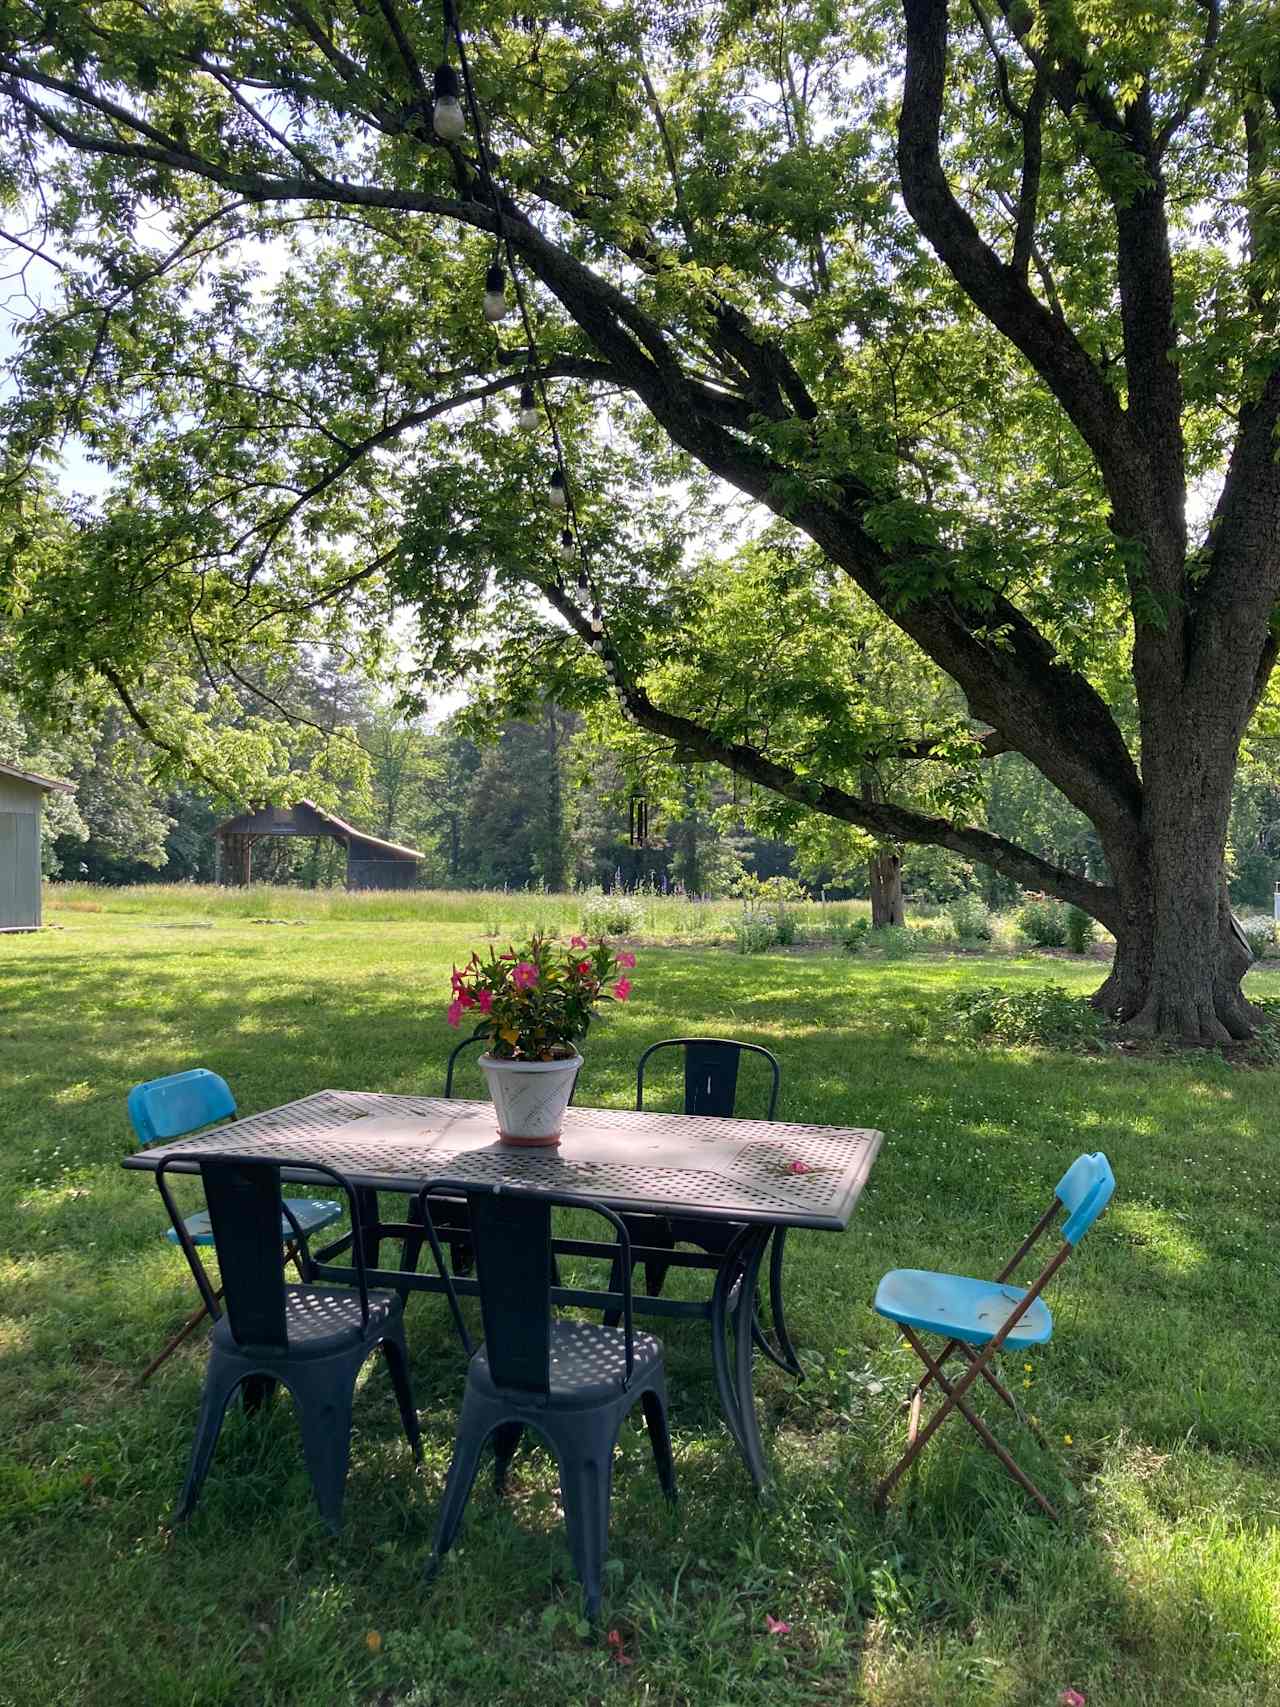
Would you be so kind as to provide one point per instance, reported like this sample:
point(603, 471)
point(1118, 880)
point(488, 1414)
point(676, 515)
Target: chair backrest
point(246, 1209)
point(477, 1041)
point(1084, 1191)
point(178, 1104)
point(511, 1232)
point(711, 1073)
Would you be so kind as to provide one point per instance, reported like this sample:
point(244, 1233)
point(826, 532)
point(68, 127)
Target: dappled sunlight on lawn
point(1163, 1336)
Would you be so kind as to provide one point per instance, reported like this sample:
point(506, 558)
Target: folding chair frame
point(980, 1361)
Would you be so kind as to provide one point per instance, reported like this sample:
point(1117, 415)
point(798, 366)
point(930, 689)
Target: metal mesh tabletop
point(735, 1170)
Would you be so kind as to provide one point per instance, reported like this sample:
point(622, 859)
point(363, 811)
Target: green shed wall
point(19, 855)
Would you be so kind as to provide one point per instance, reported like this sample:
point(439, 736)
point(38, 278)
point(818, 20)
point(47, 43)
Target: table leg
point(367, 1202)
point(737, 1393)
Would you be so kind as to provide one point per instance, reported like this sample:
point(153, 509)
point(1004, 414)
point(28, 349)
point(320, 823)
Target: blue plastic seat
point(174, 1107)
point(979, 1318)
point(965, 1309)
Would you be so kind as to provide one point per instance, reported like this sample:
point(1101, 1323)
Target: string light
point(450, 125)
point(447, 117)
point(496, 306)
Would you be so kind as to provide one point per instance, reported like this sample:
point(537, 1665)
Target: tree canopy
point(978, 304)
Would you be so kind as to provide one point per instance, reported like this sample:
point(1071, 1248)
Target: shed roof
point(254, 823)
point(49, 784)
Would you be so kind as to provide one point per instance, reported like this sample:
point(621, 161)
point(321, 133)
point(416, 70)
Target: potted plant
point(533, 1005)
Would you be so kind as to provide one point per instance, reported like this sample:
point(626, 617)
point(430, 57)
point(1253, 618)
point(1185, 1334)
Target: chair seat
point(587, 1362)
point(312, 1213)
point(320, 1320)
point(960, 1307)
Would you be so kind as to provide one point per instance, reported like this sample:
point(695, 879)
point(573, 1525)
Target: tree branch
point(997, 290)
point(888, 822)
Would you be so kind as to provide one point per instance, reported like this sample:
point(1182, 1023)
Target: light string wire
point(600, 642)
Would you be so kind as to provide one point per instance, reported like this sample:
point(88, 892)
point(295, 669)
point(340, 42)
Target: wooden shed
point(371, 862)
point(21, 804)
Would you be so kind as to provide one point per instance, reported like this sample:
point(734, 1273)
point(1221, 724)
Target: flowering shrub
point(534, 1003)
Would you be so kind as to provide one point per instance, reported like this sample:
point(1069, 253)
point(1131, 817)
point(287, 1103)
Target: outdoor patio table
point(761, 1175)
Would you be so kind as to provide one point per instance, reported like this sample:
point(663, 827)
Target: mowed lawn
point(1159, 1397)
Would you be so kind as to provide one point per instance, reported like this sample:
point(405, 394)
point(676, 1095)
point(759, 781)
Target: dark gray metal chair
point(711, 1088)
point(314, 1339)
point(572, 1382)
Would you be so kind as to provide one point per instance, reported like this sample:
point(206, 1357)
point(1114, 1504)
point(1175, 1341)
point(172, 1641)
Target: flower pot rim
point(507, 1061)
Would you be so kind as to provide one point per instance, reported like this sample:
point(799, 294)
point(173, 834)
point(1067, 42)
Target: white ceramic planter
point(530, 1097)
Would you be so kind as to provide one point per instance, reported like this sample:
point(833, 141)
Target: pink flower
point(626, 958)
point(454, 1014)
point(466, 998)
point(622, 989)
point(485, 999)
point(525, 975)
point(456, 980)
point(577, 942)
point(799, 1167)
point(1070, 1698)
point(776, 1626)
point(620, 1654)
point(584, 966)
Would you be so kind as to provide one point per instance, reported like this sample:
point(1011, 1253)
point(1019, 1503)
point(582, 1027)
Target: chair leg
point(397, 1357)
point(506, 1437)
point(192, 1322)
point(468, 1448)
point(586, 1479)
point(646, 1230)
point(219, 1384)
point(654, 1404)
point(953, 1402)
point(323, 1395)
point(257, 1392)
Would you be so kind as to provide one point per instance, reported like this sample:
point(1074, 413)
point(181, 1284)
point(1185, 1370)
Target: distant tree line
point(546, 799)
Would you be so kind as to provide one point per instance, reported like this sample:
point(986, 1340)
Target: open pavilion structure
point(371, 862)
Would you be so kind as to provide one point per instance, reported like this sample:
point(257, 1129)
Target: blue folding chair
point(174, 1107)
point(978, 1317)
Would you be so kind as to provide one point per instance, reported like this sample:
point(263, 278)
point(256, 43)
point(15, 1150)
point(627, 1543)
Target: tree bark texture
point(884, 870)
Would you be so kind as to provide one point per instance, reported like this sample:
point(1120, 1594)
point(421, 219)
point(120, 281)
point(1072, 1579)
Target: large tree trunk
point(1179, 959)
point(887, 905)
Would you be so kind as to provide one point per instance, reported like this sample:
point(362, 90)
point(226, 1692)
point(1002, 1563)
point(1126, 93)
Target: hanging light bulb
point(496, 306)
point(528, 417)
point(584, 586)
point(597, 646)
point(597, 620)
point(448, 118)
point(559, 497)
point(611, 669)
point(567, 547)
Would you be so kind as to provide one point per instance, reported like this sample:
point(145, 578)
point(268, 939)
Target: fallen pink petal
point(776, 1626)
point(799, 1167)
point(1071, 1698)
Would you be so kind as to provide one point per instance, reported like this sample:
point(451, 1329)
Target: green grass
point(1162, 1587)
